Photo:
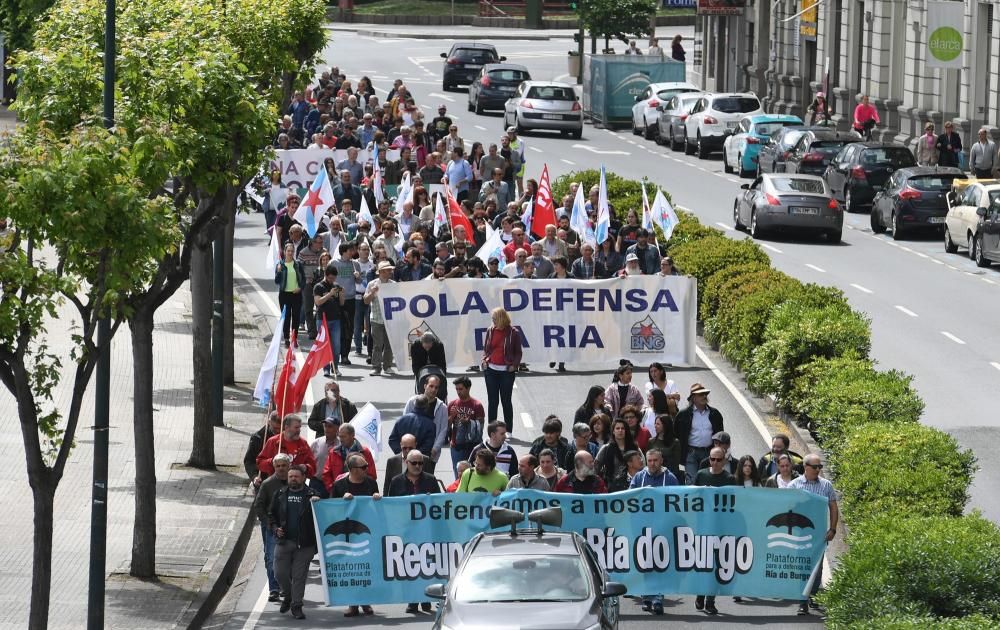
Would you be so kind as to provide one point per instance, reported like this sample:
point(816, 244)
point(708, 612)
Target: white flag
point(603, 210)
point(579, 220)
point(403, 193)
point(366, 214)
point(664, 215)
point(493, 247)
point(265, 380)
point(440, 216)
point(273, 254)
point(368, 429)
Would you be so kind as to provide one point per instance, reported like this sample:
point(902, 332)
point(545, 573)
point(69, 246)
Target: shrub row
point(914, 560)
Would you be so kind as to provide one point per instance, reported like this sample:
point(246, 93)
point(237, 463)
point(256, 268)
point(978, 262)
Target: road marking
point(903, 309)
point(567, 161)
point(480, 127)
point(936, 261)
point(987, 280)
point(995, 364)
point(772, 248)
point(526, 420)
point(444, 96)
point(587, 147)
point(723, 225)
point(952, 337)
point(921, 254)
point(535, 149)
point(815, 268)
point(258, 609)
point(862, 289)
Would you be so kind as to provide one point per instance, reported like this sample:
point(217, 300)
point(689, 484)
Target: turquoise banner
point(751, 542)
point(616, 80)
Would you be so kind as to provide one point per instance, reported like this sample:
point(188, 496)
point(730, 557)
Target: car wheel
point(576, 134)
point(445, 86)
point(635, 130)
point(835, 237)
point(468, 105)
point(755, 230)
point(674, 146)
point(479, 108)
point(977, 252)
point(736, 216)
point(848, 201)
point(702, 153)
point(949, 245)
point(876, 220)
point(897, 229)
point(725, 162)
point(517, 125)
point(739, 168)
point(649, 134)
point(688, 147)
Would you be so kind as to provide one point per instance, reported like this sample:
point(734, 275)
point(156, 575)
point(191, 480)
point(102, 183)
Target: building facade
point(785, 53)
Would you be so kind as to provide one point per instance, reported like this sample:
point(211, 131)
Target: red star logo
point(313, 199)
point(645, 331)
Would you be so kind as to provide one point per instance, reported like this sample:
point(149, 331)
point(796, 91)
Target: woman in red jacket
point(501, 356)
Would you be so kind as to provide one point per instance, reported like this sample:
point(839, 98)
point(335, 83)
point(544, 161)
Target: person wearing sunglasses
point(716, 476)
point(414, 481)
point(811, 481)
point(356, 483)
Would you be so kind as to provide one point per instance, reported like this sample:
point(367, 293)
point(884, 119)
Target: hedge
point(623, 194)
point(725, 281)
point(920, 472)
point(972, 622)
point(917, 568)
point(703, 257)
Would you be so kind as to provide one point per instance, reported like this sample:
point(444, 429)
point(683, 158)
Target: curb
point(429, 36)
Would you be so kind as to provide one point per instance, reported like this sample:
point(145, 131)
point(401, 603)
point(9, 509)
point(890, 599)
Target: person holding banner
point(291, 521)
point(357, 482)
point(500, 360)
point(413, 481)
point(812, 482)
point(586, 267)
point(611, 464)
point(715, 476)
point(583, 479)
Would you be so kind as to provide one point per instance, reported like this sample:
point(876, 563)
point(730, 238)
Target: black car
point(860, 170)
point(913, 198)
point(464, 61)
point(816, 148)
point(771, 158)
point(495, 84)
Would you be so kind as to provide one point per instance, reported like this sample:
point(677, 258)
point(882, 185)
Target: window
point(767, 128)
point(896, 157)
point(736, 104)
point(511, 578)
point(475, 55)
point(932, 183)
point(552, 93)
point(790, 138)
point(509, 75)
point(971, 196)
point(994, 197)
point(799, 185)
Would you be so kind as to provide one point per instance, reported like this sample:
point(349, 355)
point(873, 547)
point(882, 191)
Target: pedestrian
point(548, 469)
point(694, 427)
point(622, 391)
point(483, 476)
point(812, 482)
point(581, 442)
point(262, 508)
point(632, 267)
point(291, 521)
point(500, 361)
point(256, 445)
point(677, 50)
point(600, 429)
point(321, 446)
point(338, 460)
point(290, 277)
point(551, 439)
point(654, 48)
point(414, 481)
point(290, 441)
point(517, 158)
point(767, 464)
point(438, 410)
point(786, 473)
point(310, 256)
point(657, 404)
point(819, 110)
point(466, 419)
point(747, 474)
point(381, 349)
point(526, 477)
point(587, 267)
point(611, 465)
point(982, 156)
point(594, 404)
point(633, 465)
point(865, 117)
point(632, 49)
point(667, 444)
point(505, 460)
point(949, 146)
point(640, 434)
point(927, 151)
point(332, 405)
point(329, 298)
point(647, 253)
point(724, 441)
point(428, 350)
point(667, 267)
point(583, 479)
point(715, 476)
point(358, 482)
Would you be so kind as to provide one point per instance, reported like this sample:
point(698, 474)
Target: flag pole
point(284, 391)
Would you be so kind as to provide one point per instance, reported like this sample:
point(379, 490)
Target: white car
point(714, 114)
point(973, 220)
point(545, 105)
point(644, 112)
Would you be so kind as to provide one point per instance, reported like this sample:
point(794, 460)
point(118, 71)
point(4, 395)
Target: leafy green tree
point(617, 19)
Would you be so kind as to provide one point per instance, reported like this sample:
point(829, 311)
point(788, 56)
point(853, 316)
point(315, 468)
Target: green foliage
point(617, 19)
point(18, 20)
point(840, 395)
point(920, 472)
point(917, 568)
point(689, 229)
point(704, 257)
point(623, 194)
point(797, 334)
point(724, 282)
point(902, 622)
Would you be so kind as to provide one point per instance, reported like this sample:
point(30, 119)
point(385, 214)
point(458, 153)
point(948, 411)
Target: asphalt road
point(932, 313)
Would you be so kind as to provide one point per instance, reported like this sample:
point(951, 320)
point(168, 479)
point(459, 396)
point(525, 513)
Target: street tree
point(89, 237)
point(617, 19)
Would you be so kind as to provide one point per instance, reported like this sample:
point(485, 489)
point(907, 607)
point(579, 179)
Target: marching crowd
point(624, 434)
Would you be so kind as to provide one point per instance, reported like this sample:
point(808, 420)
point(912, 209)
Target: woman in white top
point(658, 380)
point(786, 473)
point(657, 404)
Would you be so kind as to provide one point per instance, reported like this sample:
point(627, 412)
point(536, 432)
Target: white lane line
point(479, 127)
point(444, 96)
point(952, 337)
point(995, 364)
point(987, 280)
point(723, 225)
point(565, 161)
point(772, 248)
point(526, 420)
point(921, 254)
point(936, 261)
point(904, 310)
point(258, 609)
point(535, 149)
point(862, 289)
point(815, 268)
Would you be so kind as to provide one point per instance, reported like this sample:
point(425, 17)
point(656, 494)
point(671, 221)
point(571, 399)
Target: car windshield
point(736, 104)
point(798, 185)
point(687, 103)
point(475, 55)
point(509, 75)
point(767, 128)
point(522, 578)
point(994, 197)
point(791, 138)
point(897, 157)
point(552, 93)
point(931, 182)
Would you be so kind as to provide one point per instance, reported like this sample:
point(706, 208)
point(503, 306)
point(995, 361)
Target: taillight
point(684, 117)
point(752, 140)
point(833, 205)
point(452, 61)
point(812, 157)
point(785, 154)
point(909, 194)
point(858, 172)
point(772, 200)
point(576, 106)
point(653, 103)
point(527, 104)
point(486, 82)
point(710, 120)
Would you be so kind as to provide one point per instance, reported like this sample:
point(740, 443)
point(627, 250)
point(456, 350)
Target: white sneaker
point(390, 372)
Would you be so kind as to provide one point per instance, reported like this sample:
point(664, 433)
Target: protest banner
point(298, 167)
point(752, 542)
point(585, 322)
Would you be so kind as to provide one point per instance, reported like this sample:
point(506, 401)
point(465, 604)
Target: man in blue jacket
point(419, 423)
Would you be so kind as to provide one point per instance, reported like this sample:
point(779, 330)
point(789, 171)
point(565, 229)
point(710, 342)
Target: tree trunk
point(203, 443)
point(144, 529)
point(229, 315)
point(44, 495)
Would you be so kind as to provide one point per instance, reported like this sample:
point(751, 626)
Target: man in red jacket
point(288, 441)
point(336, 461)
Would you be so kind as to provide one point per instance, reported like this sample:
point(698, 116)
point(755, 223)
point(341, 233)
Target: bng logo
point(647, 337)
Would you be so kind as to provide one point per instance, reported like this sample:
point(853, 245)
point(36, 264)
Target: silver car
point(545, 105)
point(788, 202)
point(672, 117)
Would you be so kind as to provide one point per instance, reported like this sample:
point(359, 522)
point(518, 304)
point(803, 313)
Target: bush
point(798, 333)
point(725, 281)
point(688, 229)
point(972, 622)
point(730, 291)
point(920, 472)
point(706, 256)
point(928, 567)
point(623, 194)
point(840, 395)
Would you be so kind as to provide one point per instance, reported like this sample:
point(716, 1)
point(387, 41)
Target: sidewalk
point(458, 31)
point(202, 516)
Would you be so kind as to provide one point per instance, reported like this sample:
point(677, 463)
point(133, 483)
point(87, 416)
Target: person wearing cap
point(493, 268)
point(632, 267)
point(694, 426)
point(332, 405)
point(667, 267)
point(321, 446)
point(819, 110)
point(725, 442)
point(441, 123)
point(381, 349)
point(649, 256)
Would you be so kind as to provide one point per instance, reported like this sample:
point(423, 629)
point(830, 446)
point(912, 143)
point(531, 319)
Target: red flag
point(457, 216)
point(320, 355)
point(544, 211)
point(283, 390)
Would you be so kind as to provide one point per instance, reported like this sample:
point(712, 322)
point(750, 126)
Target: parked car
point(740, 149)
point(773, 153)
point(495, 84)
point(788, 202)
point(545, 105)
point(464, 61)
point(710, 118)
point(914, 198)
point(816, 148)
point(973, 220)
point(645, 111)
point(670, 123)
point(861, 169)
